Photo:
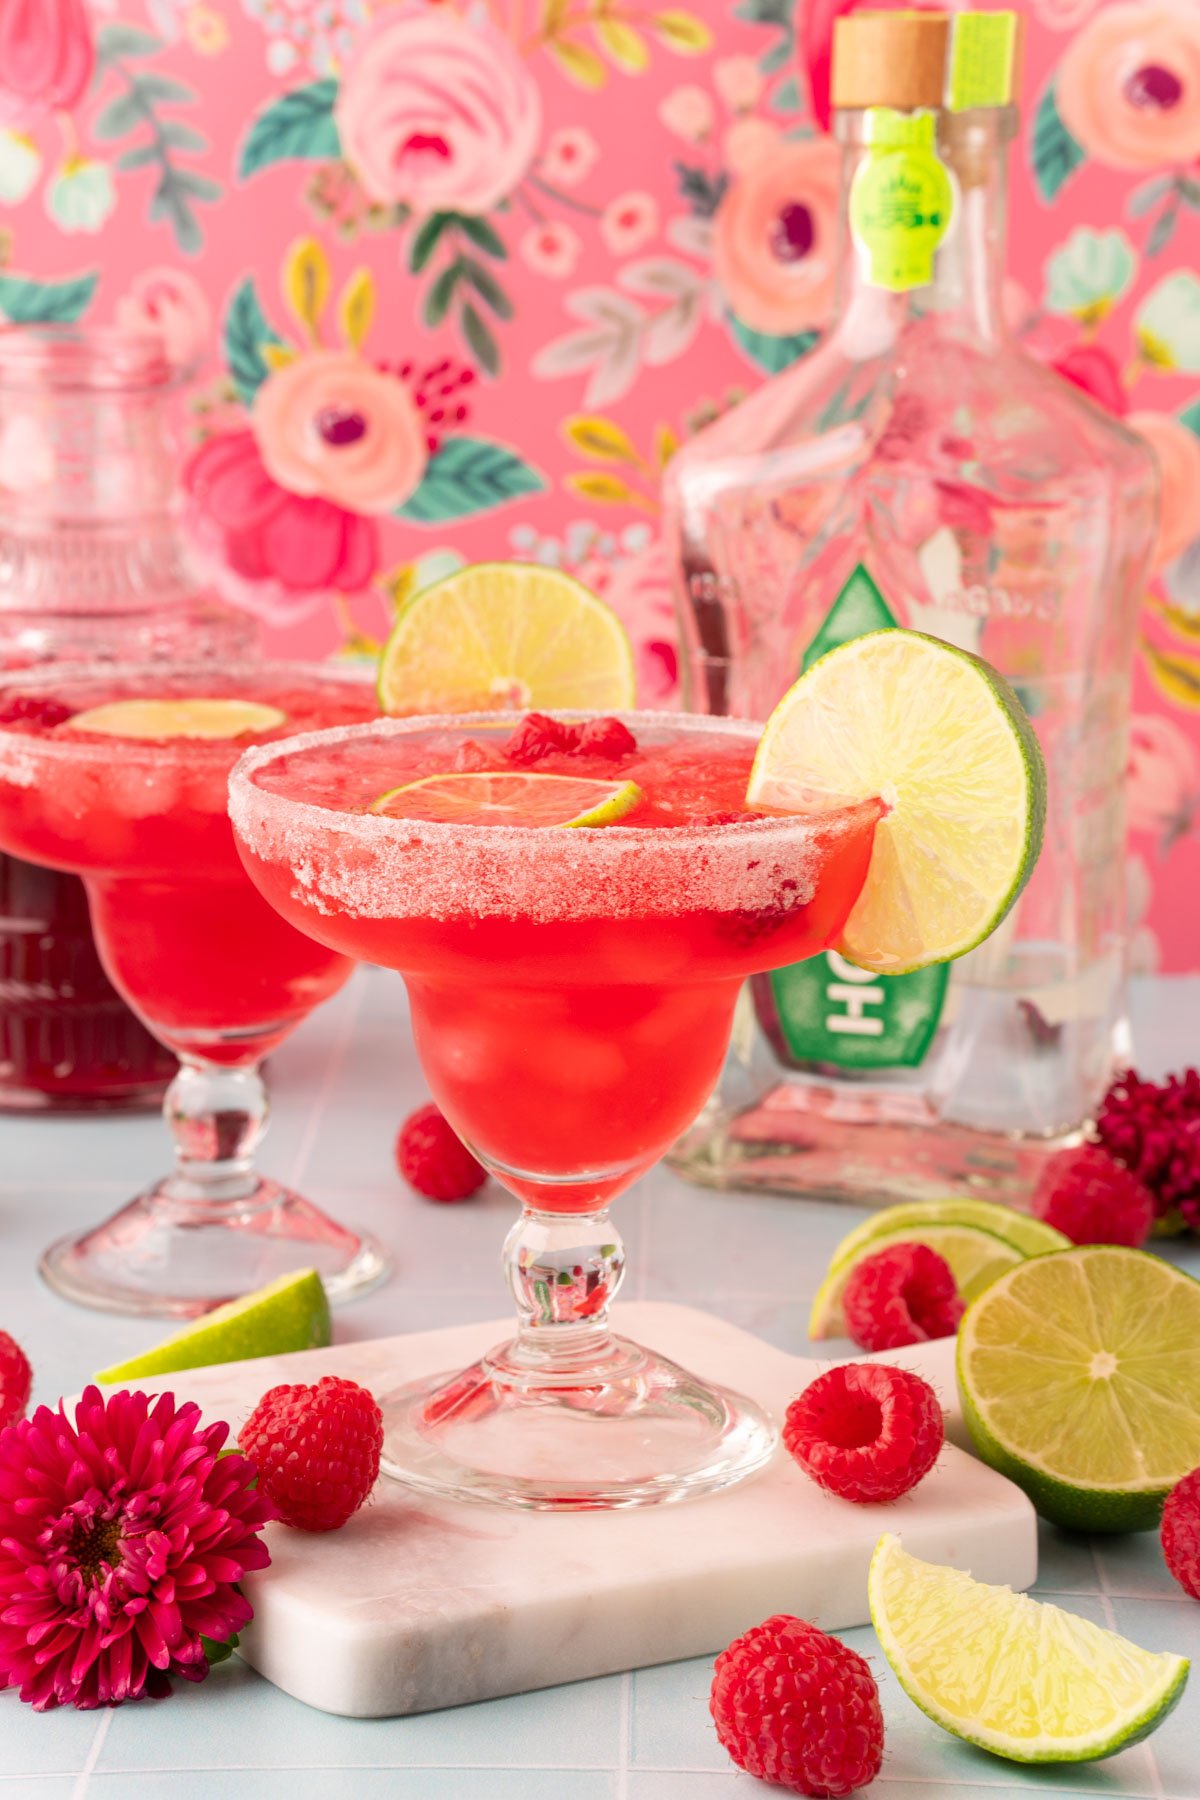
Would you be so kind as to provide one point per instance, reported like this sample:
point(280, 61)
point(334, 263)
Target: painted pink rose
point(331, 426)
point(639, 592)
point(1178, 453)
point(1093, 369)
point(1129, 85)
point(1063, 15)
point(173, 304)
point(775, 242)
point(1163, 777)
point(747, 141)
point(270, 550)
point(436, 112)
point(46, 58)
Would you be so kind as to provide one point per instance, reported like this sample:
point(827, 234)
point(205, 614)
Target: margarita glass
point(572, 993)
point(119, 775)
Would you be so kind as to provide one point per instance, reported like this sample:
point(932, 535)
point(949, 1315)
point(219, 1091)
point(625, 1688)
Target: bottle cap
point(909, 60)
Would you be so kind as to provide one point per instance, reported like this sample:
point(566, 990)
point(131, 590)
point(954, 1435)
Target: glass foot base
point(624, 1428)
point(167, 1255)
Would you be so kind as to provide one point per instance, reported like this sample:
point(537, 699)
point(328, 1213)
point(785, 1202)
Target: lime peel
point(1079, 1373)
point(976, 1258)
point(291, 1313)
point(1015, 1676)
point(937, 730)
point(513, 799)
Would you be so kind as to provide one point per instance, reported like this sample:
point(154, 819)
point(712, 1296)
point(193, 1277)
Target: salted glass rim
point(245, 793)
point(56, 674)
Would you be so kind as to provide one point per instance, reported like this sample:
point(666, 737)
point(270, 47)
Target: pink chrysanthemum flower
point(122, 1536)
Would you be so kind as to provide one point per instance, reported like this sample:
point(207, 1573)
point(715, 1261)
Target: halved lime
point(196, 718)
point(291, 1313)
point(1030, 1236)
point(939, 736)
point(1015, 1676)
point(1080, 1379)
point(502, 799)
point(976, 1259)
point(506, 636)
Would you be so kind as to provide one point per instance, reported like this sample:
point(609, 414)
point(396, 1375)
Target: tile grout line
point(1110, 1619)
point(624, 1734)
point(333, 1068)
point(83, 1782)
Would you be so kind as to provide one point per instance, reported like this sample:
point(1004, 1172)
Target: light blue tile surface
point(340, 1089)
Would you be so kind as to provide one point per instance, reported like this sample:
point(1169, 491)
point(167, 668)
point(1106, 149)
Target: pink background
point(603, 326)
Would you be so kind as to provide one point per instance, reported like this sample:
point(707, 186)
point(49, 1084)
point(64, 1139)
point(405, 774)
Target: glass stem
point(216, 1115)
point(563, 1270)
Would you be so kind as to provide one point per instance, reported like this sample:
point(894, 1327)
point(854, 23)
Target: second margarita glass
point(119, 775)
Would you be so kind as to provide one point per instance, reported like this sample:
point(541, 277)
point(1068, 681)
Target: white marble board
point(417, 1604)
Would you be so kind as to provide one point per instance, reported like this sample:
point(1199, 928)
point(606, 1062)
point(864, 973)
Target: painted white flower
point(1088, 275)
point(81, 196)
point(20, 166)
point(1168, 324)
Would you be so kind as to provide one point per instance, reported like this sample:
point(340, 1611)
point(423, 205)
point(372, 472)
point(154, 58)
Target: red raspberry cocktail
point(572, 992)
point(120, 776)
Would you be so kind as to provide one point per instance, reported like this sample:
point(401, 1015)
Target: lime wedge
point(178, 718)
point(501, 799)
point(1080, 1379)
point(1015, 1676)
point(976, 1259)
point(505, 637)
point(943, 740)
point(291, 1313)
point(1030, 1236)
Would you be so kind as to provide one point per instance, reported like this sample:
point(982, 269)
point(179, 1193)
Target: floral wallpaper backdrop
point(450, 279)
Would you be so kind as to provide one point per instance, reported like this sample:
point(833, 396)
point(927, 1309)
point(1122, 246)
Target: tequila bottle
point(920, 469)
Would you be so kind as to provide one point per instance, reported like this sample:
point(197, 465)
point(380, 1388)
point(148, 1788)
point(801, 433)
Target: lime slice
point(976, 1259)
point(1015, 1676)
point(943, 740)
point(291, 1313)
point(1030, 1236)
point(501, 799)
point(178, 718)
point(1080, 1379)
point(506, 636)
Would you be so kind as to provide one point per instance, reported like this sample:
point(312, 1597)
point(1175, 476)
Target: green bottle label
point(827, 1010)
point(901, 199)
point(983, 48)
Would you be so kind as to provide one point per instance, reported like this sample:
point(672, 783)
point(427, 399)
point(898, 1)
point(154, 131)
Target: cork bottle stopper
point(895, 59)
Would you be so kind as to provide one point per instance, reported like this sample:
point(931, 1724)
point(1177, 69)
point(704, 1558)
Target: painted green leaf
point(1054, 152)
point(772, 353)
point(859, 608)
point(469, 475)
point(297, 127)
point(1190, 416)
point(246, 331)
point(26, 302)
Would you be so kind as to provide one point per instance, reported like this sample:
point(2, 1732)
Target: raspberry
point(1181, 1533)
point(1094, 1199)
point(865, 1432)
point(31, 709)
point(539, 735)
point(606, 737)
point(434, 1160)
point(316, 1450)
point(16, 1381)
point(905, 1295)
point(797, 1707)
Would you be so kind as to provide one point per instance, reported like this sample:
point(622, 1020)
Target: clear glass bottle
point(920, 469)
point(92, 566)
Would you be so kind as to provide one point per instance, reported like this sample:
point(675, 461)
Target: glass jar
point(93, 566)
